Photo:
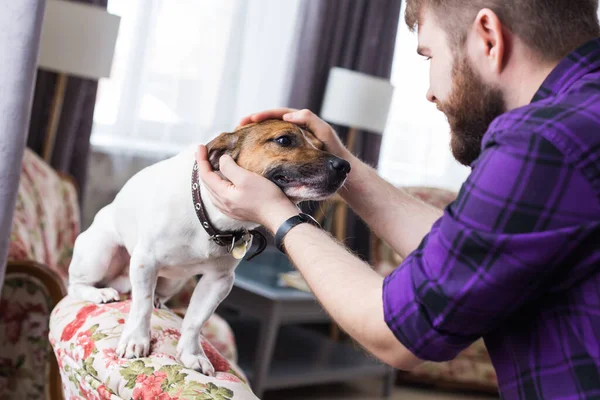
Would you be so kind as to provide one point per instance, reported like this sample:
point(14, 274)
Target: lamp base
point(351, 139)
point(55, 112)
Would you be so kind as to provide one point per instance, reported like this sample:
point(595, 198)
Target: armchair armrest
point(31, 290)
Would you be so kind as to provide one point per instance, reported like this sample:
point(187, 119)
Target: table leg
point(269, 326)
point(388, 382)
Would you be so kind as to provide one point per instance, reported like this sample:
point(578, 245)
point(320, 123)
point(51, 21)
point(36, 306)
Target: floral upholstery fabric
point(472, 368)
point(25, 308)
point(85, 336)
point(46, 218)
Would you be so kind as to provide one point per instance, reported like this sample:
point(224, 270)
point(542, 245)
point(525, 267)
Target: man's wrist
point(291, 224)
point(278, 215)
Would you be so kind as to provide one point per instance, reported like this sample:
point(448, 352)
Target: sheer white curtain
point(186, 70)
point(416, 143)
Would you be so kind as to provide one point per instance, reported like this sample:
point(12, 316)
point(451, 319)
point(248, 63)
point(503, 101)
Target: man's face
point(458, 90)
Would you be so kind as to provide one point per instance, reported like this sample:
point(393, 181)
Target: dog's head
point(289, 156)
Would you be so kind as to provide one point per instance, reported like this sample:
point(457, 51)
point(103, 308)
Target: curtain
point(21, 23)
point(187, 70)
point(72, 144)
point(354, 34)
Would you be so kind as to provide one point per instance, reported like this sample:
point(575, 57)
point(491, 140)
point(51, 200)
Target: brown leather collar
point(223, 239)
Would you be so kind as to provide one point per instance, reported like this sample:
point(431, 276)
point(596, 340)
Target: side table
point(272, 351)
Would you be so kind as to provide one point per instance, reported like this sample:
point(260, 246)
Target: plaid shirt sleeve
point(492, 250)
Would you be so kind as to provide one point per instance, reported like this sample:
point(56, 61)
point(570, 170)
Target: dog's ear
point(225, 143)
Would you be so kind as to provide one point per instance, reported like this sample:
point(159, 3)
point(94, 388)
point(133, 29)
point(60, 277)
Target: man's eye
point(284, 141)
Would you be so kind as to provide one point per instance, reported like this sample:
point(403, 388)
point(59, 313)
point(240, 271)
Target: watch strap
point(289, 225)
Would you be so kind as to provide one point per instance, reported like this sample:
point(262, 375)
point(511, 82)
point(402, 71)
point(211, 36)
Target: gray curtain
point(354, 34)
point(20, 30)
point(72, 145)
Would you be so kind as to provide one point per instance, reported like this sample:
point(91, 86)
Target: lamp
point(358, 101)
point(79, 40)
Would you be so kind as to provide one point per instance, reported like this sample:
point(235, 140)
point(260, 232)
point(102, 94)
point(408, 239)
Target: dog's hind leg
point(94, 253)
point(121, 283)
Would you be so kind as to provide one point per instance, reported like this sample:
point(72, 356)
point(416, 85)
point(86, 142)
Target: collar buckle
point(223, 239)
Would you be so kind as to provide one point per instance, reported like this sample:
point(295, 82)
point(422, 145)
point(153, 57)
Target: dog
point(152, 238)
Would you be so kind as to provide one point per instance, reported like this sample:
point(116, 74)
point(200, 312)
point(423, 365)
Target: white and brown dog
point(151, 240)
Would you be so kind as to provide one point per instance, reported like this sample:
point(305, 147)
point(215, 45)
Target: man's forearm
point(349, 290)
point(395, 216)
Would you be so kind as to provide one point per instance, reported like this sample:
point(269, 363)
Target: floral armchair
point(36, 318)
point(472, 369)
point(45, 224)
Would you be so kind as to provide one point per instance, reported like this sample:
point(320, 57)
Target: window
point(187, 70)
point(416, 144)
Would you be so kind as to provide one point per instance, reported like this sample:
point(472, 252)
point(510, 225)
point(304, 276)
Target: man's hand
point(321, 129)
point(246, 196)
point(393, 215)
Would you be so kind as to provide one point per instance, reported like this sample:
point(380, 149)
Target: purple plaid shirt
point(516, 258)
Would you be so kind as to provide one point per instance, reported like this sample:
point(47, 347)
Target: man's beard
point(470, 109)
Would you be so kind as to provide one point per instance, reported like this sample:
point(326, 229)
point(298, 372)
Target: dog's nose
point(339, 165)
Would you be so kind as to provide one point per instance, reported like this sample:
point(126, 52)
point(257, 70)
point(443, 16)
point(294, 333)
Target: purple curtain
point(354, 34)
point(72, 145)
point(20, 31)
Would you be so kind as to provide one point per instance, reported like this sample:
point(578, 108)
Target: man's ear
point(225, 143)
point(491, 39)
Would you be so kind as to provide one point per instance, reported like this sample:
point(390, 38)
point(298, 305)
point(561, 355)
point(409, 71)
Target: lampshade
point(78, 39)
point(357, 100)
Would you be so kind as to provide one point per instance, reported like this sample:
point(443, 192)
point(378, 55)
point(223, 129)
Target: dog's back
point(148, 208)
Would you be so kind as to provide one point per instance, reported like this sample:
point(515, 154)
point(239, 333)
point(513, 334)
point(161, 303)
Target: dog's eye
point(284, 141)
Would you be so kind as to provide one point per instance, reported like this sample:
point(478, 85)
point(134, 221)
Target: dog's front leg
point(135, 339)
point(212, 288)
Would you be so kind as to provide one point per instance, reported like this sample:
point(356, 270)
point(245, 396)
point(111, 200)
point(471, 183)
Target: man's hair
point(551, 28)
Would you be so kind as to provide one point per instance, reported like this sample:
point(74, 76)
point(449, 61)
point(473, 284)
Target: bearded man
point(516, 258)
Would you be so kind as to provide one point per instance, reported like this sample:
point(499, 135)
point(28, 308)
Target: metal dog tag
point(241, 248)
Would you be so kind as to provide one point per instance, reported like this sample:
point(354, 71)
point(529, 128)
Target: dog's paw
point(134, 345)
point(106, 295)
point(198, 362)
point(99, 296)
point(93, 294)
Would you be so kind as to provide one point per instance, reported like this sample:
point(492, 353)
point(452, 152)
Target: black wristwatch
point(291, 223)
